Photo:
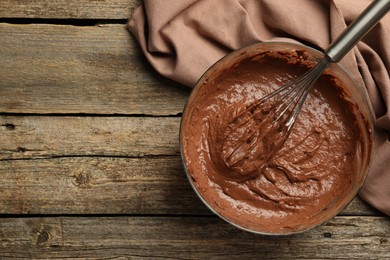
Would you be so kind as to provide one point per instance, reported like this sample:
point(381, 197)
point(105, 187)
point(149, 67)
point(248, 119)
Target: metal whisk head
point(257, 133)
point(285, 102)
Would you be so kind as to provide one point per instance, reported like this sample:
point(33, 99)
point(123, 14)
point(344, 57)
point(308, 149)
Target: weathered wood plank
point(88, 69)
point(43, 136)
point(358, 207)
point(97, 186)
point(155, 185)
point(189, 238)
point(68, 9)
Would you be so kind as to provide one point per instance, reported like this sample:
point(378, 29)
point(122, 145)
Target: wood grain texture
point(70, 69)
point(53, 136)
point(97, 186)
point(68, 9)
point(187, 238)
point(156, 185)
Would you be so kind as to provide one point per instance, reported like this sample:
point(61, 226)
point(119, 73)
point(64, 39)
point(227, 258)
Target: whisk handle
point(357, 29)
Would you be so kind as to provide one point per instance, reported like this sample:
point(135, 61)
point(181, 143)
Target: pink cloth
point(182, 39)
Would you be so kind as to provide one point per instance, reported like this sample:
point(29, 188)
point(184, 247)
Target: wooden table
point(89, 156)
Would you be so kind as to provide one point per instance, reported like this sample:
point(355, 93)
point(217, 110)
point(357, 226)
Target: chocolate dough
point(315, 165)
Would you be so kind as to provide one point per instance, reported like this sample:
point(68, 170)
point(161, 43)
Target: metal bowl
point(353, 93)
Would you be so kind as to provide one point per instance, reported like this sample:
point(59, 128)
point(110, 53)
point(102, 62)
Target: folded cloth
point(182, 39)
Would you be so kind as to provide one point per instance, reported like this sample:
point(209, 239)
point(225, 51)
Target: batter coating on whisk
point(315, 165)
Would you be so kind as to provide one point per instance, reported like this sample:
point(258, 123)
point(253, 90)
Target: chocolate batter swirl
point(245, 182)
point(249, 141)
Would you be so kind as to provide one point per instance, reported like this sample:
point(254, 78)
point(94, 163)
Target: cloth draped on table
point(182, 39)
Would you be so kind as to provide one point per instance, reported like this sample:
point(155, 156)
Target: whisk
point(261, 129)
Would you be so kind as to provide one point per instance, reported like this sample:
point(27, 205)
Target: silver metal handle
point(357, 29)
